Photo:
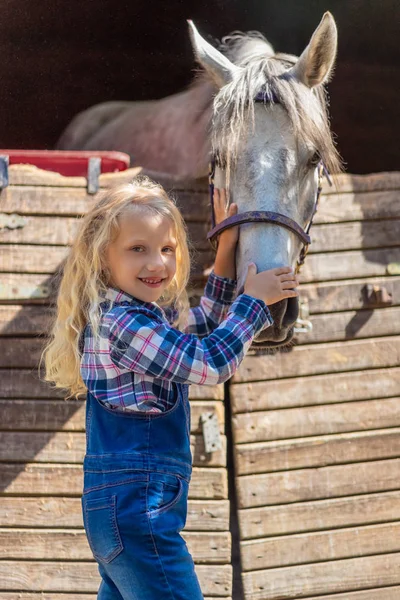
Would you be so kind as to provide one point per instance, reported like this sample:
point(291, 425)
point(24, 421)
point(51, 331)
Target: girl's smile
point(142, 258)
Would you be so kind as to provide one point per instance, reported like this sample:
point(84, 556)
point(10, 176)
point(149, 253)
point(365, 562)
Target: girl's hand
point(230, 236)
point(271, 286)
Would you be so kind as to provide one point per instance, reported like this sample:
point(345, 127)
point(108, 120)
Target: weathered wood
point(70, 447)
point(61, 231)
point(73, 202)
point(25, 383)
point(316, 390)
point(372, 182)
point(348, 265)
point(315, 547)
point(207, 483)
point(47, 511)
point(315, 420)
point(324, 577)
point(335, 208)
point(356, 235)
point(28, 258)
point(347, 295)
point(69, 415)
point(352, 325)
point(319, 515)
point(317, 451)
point(318, 359)
point(79, 576)
point(59, 544)
point(318, 483)
point(387, 593)
point(31, 175)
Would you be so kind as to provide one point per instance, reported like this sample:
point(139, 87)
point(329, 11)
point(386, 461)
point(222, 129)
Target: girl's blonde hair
point(86, 276)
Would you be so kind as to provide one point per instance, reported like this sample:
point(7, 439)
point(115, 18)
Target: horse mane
point(263, 70)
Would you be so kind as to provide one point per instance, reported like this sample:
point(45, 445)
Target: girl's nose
point(155, 262)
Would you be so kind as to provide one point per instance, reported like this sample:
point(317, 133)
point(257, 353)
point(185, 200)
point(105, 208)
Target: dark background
point(61, 56)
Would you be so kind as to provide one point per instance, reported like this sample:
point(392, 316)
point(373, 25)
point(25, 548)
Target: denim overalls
point(137, 470)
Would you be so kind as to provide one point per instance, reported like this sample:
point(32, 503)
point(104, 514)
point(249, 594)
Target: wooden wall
point(316, 430)
point(43, 549)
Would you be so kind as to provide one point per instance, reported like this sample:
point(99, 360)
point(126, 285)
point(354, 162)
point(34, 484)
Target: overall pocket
point(163, 492)
point(100, 520)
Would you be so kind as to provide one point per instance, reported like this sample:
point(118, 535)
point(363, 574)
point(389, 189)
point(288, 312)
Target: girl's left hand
point(230, 236)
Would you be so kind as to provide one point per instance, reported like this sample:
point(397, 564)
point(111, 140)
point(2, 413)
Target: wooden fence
point(315, 430)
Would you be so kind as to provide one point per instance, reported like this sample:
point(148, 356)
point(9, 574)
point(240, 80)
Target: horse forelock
point(233, 110)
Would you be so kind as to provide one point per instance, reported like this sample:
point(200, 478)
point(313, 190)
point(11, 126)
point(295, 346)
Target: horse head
point(268, 153)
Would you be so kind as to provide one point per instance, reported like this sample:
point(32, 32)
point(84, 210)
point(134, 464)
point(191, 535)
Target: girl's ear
point(218, 66)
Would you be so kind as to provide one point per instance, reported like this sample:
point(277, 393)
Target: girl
point(125, 336)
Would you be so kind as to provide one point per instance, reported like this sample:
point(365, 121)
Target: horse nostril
point(291, 313)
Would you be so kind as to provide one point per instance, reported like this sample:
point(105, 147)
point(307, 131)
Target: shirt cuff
point(222, 289)
point(254, 310)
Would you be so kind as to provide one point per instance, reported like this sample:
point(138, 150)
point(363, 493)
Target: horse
point(268, 153)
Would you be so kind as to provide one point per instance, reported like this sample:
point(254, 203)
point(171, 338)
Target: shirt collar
point(115, 296)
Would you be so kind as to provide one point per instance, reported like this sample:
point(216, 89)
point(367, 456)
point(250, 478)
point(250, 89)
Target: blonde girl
point(125, 336)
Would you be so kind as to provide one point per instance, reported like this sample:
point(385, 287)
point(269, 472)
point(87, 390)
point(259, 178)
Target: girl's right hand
point(271, 286)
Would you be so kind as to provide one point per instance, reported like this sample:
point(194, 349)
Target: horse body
point(167, 135)
point(267, 153)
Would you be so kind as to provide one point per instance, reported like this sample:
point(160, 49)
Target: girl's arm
point(220, 289)
point(141, 342)
point(219, 294)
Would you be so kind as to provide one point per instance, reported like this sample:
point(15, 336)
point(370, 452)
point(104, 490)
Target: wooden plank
point(69, 415)
point(356, 235)
point(75, 201)
point(48, 511)
point(359, 206)
point(61, 231)
point(300, 361)
point(16, 319)
point(79, 576)
point(348, 265)
point(352, 325)
point(371, 182)
point(386, 593)
point(315, 547)
point(314, 359)
point(324, 577)
point(316, 420)
point(318, 483)
point(348, 295)
point(28, 258)
point(59, 544)
point(319, 515)
point(70, 447)
point(28, 385)
point(207, 483)
point(266, 457)
point(316, 390)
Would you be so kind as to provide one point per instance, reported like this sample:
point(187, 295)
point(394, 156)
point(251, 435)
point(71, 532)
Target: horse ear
point(215, 63)
point(316, 62)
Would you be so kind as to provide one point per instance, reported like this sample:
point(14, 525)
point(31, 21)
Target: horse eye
point(314, 160)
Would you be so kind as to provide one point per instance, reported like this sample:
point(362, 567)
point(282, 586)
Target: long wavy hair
point(86, 276)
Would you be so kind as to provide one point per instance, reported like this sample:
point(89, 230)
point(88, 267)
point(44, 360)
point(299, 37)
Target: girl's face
point(142, 259)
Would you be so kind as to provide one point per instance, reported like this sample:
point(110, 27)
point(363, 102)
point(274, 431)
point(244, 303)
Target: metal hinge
point(211, 435)
point(303, 324)
point(9, 291)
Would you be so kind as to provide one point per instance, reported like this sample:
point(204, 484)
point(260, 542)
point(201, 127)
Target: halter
point(265, 216)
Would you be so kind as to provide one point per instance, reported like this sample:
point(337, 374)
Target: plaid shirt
point(139, 358)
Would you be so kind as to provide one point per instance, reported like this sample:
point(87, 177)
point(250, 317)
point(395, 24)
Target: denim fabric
point(137, 470)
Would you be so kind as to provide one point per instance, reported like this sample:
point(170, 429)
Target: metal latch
point(94, 170)
point(303, 324)
point(211, 435)
point(12, 221)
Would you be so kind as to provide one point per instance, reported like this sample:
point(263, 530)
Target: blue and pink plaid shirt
point(139, 358)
